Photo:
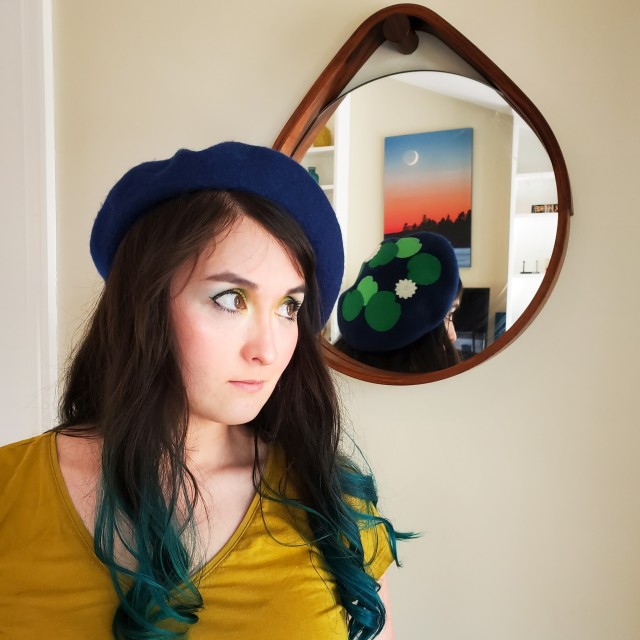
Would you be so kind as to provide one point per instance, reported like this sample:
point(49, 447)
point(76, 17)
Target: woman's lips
point(248, 385)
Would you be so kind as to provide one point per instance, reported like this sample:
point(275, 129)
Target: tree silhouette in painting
point(457, 231)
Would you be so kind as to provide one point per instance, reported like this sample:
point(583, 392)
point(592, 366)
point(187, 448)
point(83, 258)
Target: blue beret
point(400, 294)
point(226, 166)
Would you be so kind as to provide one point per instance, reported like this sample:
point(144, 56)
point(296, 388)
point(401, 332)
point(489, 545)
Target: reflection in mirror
point(506, 197)
point(397, 315)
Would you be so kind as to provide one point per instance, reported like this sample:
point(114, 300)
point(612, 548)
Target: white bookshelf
point(532, 235)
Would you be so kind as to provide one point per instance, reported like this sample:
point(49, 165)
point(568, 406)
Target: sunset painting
point(427, 186)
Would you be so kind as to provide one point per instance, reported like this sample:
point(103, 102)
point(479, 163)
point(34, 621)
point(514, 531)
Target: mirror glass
point(499, 210)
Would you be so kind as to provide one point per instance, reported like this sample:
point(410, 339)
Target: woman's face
point(235, 320)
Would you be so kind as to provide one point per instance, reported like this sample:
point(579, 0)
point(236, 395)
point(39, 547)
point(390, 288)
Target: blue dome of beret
point(226, 166)
point(400, 294)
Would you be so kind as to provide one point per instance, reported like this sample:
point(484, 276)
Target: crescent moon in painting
point(410, 157)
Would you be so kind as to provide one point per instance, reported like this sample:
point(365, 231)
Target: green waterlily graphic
point(386, 253)
point(424, 268)
point(383, 311)
point(408, 247)
point(367, 287)
point(352, 305)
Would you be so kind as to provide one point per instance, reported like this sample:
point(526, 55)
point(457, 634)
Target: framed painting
point(427, 186)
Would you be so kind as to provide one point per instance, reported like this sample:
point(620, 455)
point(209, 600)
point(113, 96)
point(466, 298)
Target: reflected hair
point(431, 352)
point(125, 384)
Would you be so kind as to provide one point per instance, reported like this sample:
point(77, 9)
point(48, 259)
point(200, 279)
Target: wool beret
point(400, 294)
point(226, 166)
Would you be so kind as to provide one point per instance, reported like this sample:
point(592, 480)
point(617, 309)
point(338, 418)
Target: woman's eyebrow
point(300, 289)
point(238, 280)
point(232, 278)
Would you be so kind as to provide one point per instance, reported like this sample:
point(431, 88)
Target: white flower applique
point(406, 288)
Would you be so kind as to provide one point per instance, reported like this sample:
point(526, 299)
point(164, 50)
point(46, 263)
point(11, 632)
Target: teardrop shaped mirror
point(457, 152)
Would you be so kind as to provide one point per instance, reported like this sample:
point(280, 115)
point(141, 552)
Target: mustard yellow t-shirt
point(261, 585)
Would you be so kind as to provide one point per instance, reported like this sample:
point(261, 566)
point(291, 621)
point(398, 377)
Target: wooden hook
point(397, 29)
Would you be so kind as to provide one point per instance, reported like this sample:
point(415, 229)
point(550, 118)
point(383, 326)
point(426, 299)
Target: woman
point(195, 484)
point(398, 314)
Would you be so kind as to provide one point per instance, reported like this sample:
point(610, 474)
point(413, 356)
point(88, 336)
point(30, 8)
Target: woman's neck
point(213, 446)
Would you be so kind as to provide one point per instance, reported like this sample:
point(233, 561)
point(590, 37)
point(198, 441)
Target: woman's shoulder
point(39, 452)
point(16, 453)
point(25, 465)
point(22, 445)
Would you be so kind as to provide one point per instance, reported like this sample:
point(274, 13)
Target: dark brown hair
point(125, 384)
point(433, 351)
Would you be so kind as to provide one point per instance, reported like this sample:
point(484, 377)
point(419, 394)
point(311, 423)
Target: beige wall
point(523, 473)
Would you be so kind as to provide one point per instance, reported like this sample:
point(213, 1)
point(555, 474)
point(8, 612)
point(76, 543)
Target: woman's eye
point(231, 301)
point(289, 309)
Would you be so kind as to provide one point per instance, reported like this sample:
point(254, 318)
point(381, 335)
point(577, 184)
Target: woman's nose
point(260, 344)
point(451, 331)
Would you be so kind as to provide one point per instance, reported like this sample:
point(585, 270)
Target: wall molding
point(27, 175)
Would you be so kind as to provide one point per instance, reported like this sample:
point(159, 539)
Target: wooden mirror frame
point(300, 130)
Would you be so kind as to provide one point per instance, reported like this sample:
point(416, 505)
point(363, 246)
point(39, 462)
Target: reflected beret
point(226, 166)
point(400, 294)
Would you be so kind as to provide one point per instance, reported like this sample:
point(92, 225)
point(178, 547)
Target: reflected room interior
point(512, 178)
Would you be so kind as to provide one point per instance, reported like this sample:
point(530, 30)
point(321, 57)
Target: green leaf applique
point(383, 312)
point(424, 268)
point(352, 305)
point(386, 253)
point(367, 287)
point(408, 247)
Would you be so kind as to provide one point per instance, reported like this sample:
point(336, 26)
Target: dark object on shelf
point(313, 173)
point(524, 267)
point(471, 321)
